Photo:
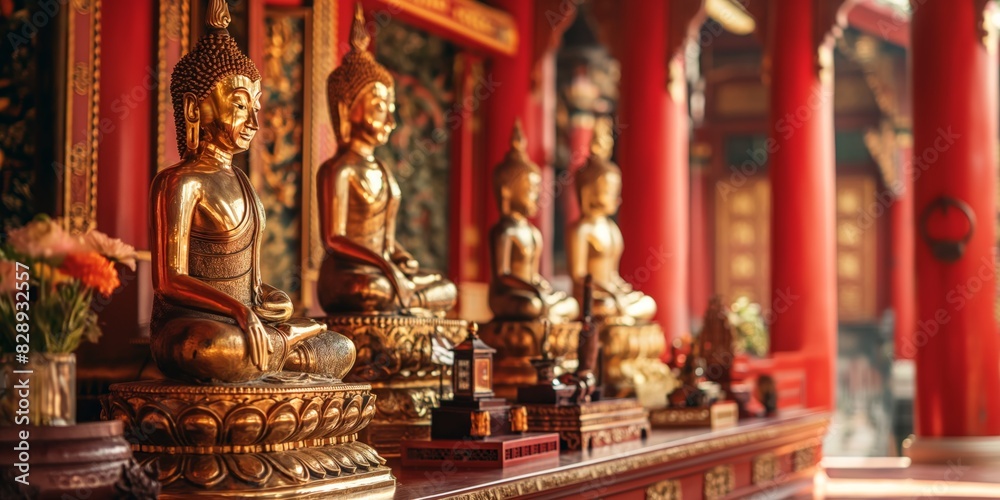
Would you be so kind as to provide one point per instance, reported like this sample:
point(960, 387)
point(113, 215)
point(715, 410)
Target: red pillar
point(653, 154)
point(954, 157)
point(902, 269)
point(510, 102)
point(700, 275)
point(801, 164)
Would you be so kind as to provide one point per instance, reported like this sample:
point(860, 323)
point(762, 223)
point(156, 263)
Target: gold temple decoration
point(256, 407)
point(82, 133)
point(594, 242)
point(719, 481)
point(764, 468)
point(366, 270)
point(632, 343)
point(372, 289)
point(669, 489)
point(517, 290)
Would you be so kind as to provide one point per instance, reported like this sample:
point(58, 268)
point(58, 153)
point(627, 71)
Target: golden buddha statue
point(594, 243)
point(366, 270)
point(517, 290)
point(213, 319)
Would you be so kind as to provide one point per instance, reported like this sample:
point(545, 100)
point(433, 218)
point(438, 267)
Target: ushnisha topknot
point(599, 162)
point(516, 163)
point(357, 70)
point(215, 57)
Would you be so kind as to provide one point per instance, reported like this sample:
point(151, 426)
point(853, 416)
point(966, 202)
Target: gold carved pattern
point(590, 425)
point(518, 342)
point(630, 356)
point(173, 33)
point(79, 195)
point(281, 414)
point(491, 27)
point(664, 490)
point(397, 347)
point(581, 475)
point(743, 240)
point(858, 214)
point(764, 468)
point(803, 458)
point(719, 481)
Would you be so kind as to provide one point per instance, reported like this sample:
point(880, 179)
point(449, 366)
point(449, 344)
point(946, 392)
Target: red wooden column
point(511, 77)
point(902, 273)
point(801, 165)
point(653, 154)
point(954, 162)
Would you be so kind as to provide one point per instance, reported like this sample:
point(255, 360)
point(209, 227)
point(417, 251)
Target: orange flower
point(93, 270)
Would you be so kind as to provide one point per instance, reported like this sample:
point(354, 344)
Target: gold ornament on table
point(243, 369)
point(530, 318)
point(517, 289)
point(594, 242)
point(632, 342)
point(371, 288)
point(366, 270)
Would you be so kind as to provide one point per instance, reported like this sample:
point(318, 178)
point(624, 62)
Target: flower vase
point(39, 392)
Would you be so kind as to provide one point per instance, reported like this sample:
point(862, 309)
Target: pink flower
point(112, 248)
point(43, 238)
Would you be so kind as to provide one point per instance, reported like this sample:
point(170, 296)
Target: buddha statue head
point(517, 181)
point(215, 91)
point(361, 93)
point(599, 181)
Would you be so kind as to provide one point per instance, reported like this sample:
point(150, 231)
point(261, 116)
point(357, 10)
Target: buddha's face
point(524, 193)
point(229, 113)
point(373, 114)
point(603, 197)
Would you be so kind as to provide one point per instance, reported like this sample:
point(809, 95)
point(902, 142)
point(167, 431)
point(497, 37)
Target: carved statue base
point(590, 425)
point(519, 342)
point(400, 356)
point(62, 461)
point(630, 358)
point(492, 452)
point(289, 435)
point(719, 415)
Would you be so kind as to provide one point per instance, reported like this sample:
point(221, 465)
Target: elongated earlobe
point(192, 123)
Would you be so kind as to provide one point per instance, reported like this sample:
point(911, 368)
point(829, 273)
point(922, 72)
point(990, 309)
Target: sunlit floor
point(896, 478)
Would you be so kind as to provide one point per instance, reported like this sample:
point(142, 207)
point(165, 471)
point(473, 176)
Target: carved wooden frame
point(78, 200)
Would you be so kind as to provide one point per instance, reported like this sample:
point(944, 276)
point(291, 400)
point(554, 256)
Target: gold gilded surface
point(366, 270)
point(594, 243)
point(290, 432)
point(763, 468)
point(213, 319)
point(665, 490)
point(519, 342)
point(631, 362)
point(719, 481)
point(517, 290)
point(400, 357)
point(256, 407)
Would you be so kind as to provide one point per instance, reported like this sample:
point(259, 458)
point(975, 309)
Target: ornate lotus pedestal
point(287, 436)
point(630, 360)
point(590, 425)
point(519, 342)
point(400, 356)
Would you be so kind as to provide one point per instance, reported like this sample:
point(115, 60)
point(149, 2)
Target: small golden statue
point(213, 319)
point(594, 242)
point(366, 270)
point(371, 288)
point(256, 407)
point(517, 289)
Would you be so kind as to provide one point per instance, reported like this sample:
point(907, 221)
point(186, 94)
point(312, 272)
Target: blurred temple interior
point(781, 209)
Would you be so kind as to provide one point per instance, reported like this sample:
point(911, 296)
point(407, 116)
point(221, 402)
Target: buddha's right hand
point(257, 339)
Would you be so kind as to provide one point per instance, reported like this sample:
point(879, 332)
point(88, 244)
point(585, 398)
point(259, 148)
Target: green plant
point(748, 320)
